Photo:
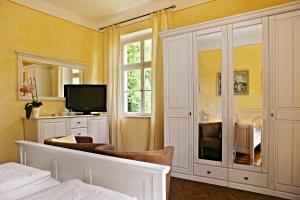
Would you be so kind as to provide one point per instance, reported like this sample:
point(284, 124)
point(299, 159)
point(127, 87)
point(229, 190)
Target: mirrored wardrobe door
point(246, 94)
point(209, 137)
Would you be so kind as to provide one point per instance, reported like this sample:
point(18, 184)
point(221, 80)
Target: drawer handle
point(208, 172)
point(78, 122)
point(246, 178)
point(79, 134)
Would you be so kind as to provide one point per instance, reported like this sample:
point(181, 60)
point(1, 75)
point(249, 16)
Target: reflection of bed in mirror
point(248, 137)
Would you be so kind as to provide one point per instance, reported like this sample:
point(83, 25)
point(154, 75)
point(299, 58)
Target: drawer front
point(78, 122)
point(79, 131)
point(250, 178)
point(210, 172)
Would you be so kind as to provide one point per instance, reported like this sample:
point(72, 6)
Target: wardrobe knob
point(208, 172)
point(246, 178)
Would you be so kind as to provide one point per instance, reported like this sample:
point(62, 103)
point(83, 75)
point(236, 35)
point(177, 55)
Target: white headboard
point(145, 181)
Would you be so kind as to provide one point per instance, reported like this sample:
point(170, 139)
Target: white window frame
point(140, 36)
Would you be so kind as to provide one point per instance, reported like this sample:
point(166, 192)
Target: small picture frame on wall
point(219, 84)
point(241, 83)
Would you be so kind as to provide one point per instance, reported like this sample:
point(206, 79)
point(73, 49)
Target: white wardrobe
point(232, 101)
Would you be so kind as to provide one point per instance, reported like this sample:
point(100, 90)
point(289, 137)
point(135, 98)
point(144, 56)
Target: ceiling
point(98, 13)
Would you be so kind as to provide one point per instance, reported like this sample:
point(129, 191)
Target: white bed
point(127, 178)
point(18, 181)
point(29, 189)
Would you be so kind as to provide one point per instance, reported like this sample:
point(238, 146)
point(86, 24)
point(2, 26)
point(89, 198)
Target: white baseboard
point(239, 186)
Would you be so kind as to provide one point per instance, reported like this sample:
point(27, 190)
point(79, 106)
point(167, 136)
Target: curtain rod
point(171, 7)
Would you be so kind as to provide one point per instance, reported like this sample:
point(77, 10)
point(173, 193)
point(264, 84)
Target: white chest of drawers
point(38, 130)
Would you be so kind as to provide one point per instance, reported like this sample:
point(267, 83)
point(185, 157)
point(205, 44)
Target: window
point(136, 74)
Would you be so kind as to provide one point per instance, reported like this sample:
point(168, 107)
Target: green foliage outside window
point(133, 86)
point(133, 53)
point(134, 90)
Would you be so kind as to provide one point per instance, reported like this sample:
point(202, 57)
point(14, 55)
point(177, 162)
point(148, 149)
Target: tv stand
point(87, 113)
point(97, 127)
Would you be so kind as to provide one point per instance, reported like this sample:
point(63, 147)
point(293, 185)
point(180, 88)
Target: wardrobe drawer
point(79, 131)
point(78, 122)
point(250, 178)
point(210, 172)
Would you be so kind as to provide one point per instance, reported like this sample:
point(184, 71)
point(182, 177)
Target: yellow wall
point(135, 133)
point(32, 31)
point(248, 58)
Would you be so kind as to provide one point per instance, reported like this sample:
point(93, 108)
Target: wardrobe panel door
point(285, 63)
point(247, 92)
point(178, 100)
point(284, 152)
point(177, 74)
point(287, 106)
point(296, 73)
point(209, 95)
point(296, 155)
point(178, 128)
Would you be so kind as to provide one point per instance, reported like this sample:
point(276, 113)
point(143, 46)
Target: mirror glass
point(209, 50)
point(50, 77)
point(248, 87)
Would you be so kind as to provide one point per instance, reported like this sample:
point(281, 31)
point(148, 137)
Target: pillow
point(67, 139)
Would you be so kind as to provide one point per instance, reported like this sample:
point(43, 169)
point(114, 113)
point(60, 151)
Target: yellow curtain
point(159, 21)
point(112, 53)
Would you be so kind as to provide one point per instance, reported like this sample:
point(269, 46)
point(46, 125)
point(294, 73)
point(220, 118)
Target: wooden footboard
point(145, 181)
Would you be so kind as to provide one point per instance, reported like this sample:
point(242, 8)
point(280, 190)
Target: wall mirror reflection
point(248, 106)
point(50, 75)
point(209, 102)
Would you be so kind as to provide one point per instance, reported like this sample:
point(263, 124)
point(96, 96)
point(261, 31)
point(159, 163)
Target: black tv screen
point(85, 98)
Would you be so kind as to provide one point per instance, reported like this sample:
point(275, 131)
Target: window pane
point(75, 71)
point(132, 102)
point(147, 101)
point(147, 50)
point(75, 81)
point(132, 53)
point(147, 78)
point(132, 80)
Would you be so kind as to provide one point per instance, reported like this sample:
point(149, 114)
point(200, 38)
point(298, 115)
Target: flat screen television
point(86, 98)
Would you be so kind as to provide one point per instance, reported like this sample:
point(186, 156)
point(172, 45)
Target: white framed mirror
point(50, 74)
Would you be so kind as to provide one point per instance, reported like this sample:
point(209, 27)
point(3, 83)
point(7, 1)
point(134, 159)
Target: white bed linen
point(77, 190)
point(29, 189)
point(14, 175)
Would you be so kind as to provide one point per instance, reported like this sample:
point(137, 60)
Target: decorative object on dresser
point(162, 157)
point(83, 143)
point(97, 127)
point(261, 126)
point(29, 87)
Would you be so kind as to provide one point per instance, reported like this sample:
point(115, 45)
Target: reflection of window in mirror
point(70, 76)
point(247, 59)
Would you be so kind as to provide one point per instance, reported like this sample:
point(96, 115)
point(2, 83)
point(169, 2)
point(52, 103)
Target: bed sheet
point(30, 189)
